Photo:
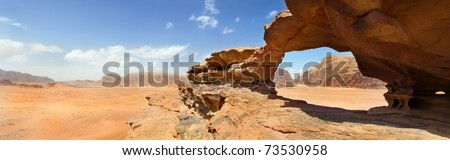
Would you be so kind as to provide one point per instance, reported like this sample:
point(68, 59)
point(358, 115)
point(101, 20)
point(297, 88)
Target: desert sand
point(70, 113)
point(65, 112)
point(345, 98)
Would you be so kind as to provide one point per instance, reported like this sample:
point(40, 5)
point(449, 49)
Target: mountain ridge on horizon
point(15, 76)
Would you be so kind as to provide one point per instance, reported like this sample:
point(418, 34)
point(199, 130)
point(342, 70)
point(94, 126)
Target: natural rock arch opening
point(326, 67)
point(309, 66)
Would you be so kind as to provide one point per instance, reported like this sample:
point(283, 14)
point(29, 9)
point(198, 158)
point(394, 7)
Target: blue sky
point(72, 39)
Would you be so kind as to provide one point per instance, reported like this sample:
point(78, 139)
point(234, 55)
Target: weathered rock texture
point(339, 71)
point(232, 66)
point(402, 42)
point(221, 112)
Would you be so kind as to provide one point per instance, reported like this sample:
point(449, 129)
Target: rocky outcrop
point(345, 74)
point(223, 112)
point(159, 120)
point(402, 42)
point(6, 82)
point(226, 67)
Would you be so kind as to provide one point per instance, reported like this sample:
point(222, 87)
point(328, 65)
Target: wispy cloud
point(210, 7)
point(17, 59)
point(10, 47)
point(14, 51)
point(159, 52)
point(272, 14)
point(40, 48)
point(91, 61)
point(205, 21)
point(227, 30)
point(11, 22)
point(100, 56)
point(170, 25)
point(237, 19)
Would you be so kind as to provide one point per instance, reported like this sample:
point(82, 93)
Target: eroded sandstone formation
point(222, 112)
point(402, 42)
point(344, 74)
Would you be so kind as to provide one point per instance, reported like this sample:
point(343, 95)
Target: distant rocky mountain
point(349, 72)
point(283, 79)
point(83, 83)
point(23, 77)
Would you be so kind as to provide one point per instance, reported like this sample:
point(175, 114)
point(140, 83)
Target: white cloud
point(83, 56)
point(226, 31)
point(14, 51)
point(237, 19)
point(205, 21)
point(115, 53)
point(96, 57)
point(272, 14)
point(10, 47)
point(40, 48)
point(17, 58)
point(170, 25)
point(210, 7)
point(159, 53)
point(84, 63)
point(8, 21)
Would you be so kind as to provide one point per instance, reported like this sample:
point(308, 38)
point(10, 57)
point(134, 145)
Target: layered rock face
point(238, 66)
point(402, 42)
point(346, 74)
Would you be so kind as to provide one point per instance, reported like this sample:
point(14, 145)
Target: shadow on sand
point(340, 115)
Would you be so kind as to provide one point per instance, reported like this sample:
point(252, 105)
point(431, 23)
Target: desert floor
point(70, 113)
point(101, 113)
point(346, 98)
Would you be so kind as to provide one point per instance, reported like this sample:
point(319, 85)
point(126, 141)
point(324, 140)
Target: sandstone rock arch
point(402, 42)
